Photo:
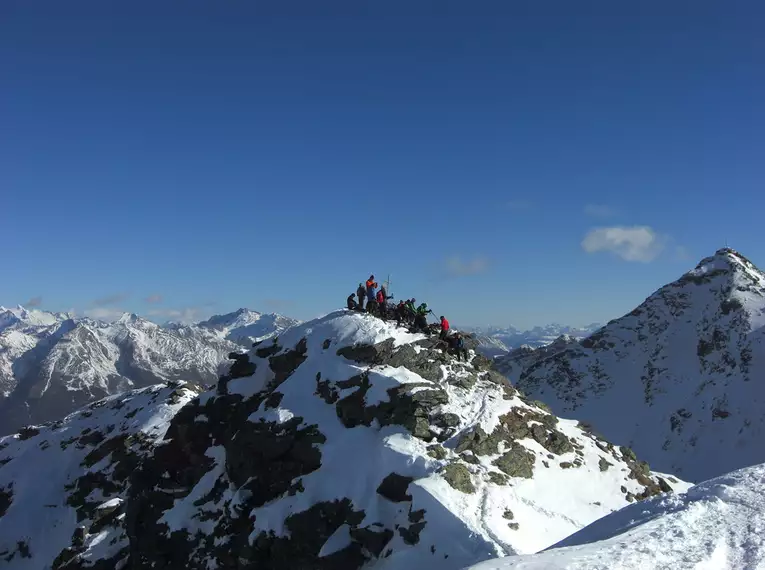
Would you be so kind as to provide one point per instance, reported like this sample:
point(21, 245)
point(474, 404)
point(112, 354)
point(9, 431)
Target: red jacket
point(444, 325)
point(380, 298)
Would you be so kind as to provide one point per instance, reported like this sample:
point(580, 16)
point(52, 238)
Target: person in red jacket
point(382, 305)
point(444, 328)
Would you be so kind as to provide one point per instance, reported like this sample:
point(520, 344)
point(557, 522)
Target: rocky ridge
point(343, 441)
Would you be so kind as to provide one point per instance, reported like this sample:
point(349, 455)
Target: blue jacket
point(371, 293)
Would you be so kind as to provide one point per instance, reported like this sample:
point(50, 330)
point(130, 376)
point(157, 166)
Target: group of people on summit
point(405, 312)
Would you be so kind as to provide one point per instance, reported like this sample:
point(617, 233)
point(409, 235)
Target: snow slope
point(64, 486)
point(678, 378)
point(717, 525)
point(350, 440)
point(245, 326)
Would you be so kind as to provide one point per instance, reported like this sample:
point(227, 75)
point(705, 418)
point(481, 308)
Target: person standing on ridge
point(400, 313)
point(458, 345)
point(421, 318)
point(444, 328)
point(361, 293)
point(371, 288)
point(410, 310)
point(382, 306)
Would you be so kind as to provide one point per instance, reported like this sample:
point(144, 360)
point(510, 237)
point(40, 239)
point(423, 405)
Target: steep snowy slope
point(717, 525)
point(64, 486)
point(245, 326)
point(51, 369)
point(677, 379)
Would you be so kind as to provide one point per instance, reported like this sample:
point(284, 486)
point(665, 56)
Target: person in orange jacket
point(371, 288)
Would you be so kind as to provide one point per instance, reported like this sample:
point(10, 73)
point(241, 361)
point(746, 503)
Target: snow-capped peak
point(247, 325)
point(677, 377)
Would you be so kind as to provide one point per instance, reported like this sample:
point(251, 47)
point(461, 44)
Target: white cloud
point(600, 211)
point(633, 243)
point(455, 266)
point(156, 298)
point(184, 315)
point(104, 313)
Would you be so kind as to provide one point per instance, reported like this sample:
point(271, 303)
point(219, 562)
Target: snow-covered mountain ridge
point(52, 363)
point(344, 442)
point(245, 326)
point(676, 378)
point(495, 341)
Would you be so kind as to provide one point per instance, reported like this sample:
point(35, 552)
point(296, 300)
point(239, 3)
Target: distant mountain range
point(495, 341)
point(52, 363)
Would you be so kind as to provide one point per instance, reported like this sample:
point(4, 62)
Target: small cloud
point(103, 313)
point(600, 211)
point(518, 205)
point(184, 315)
point(110, 299)
point(34, 302)
point(457, 267)
point(278, 304)
point(154, 299)
point(633, 243)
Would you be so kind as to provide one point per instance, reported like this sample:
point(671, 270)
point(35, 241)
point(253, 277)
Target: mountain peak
point(680, 366)
point(128, 318)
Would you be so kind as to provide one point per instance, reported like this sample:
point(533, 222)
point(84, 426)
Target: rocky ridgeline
point(343, 441)
point(64, 485)
point(676, 378)
point(514, 363)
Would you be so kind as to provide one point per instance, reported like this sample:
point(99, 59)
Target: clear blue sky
point(208, 155)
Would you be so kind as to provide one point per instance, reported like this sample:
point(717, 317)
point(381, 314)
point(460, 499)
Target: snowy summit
point(346, 440)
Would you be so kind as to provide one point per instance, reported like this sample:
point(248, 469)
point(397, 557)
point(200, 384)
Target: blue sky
point(508, 162)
